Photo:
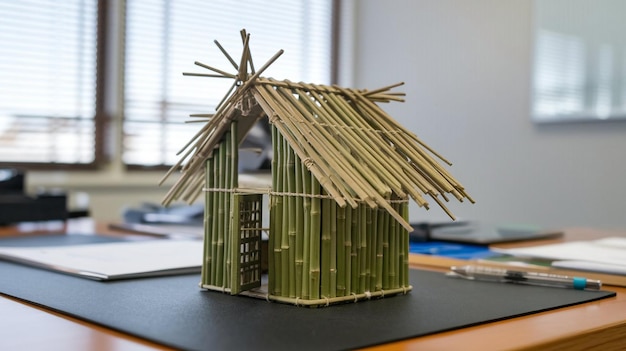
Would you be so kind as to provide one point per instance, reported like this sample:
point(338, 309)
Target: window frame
point(99, 118)
point(108, 114)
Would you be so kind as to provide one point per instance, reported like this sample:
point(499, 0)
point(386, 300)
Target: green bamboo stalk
point(208, 216)
point(314, 283)
point(354, 252)
point(278, 224)
point(219, 278)
point(232, 211)
point(228, 181)
point(386, 257)
point(299, 225)
point(363, 249)
point(371, 248)
point(347, 247)
point(382, 228)
point(214, 220)
point(273, 211)
point(306, 231)
point(341, 251)
point(325, 264)
point(291, 219)
point(284, 244)
point(393, 254)
point(405, 248)
point(333, 248)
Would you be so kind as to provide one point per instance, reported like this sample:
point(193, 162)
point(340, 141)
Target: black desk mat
point(173, 311)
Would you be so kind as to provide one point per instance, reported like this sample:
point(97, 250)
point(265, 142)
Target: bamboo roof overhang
point(357, 152)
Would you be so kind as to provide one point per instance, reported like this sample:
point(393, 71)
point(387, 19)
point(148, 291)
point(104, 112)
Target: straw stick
point(223, 73)
point(205, 75)
point(303, 150)
point(232, 62)
point(379, 90)
point(242, 75)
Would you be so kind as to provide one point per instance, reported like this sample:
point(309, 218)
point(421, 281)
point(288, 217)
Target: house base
point(262, 294)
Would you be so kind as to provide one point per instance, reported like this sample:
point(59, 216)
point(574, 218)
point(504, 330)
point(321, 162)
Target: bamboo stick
point(348, 250)
point(230, 59)
point(318, 172)
point(215, 220)
point(208, 217)
point(354, 252)
point(382, 225)
point(340, 151)
point(386, 253)
point(333, 249)
point(272, 266)
point(223, 73)
point(362, 251)
point(219, 281)
point(306, 232)
point(205, 75)
point(325, 249)
point(277, 228)
point(299, 227)
point(341, 251)
point(315, 236)
point(291, 219)
point(371, 247)
point(284, 244)
point(405, 249)
point(393, 255)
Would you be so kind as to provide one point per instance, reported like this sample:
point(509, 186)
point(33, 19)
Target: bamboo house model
point(342, 175)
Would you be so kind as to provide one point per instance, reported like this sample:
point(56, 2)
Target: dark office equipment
point(16, 206)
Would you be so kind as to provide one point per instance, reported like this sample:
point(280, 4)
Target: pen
point(521, 277)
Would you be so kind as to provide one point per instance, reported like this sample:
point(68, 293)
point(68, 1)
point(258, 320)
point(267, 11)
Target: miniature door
point(246, 242)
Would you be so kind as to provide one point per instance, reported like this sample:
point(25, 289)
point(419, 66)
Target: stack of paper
point(604, 255)
point(108, 261)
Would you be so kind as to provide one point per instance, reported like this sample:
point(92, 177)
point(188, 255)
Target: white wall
point(467, 65)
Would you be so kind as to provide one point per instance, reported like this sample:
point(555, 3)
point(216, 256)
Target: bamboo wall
point(320, 251)
point(221, 175)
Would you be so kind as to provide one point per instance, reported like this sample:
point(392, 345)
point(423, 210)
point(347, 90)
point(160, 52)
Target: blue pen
point(520, 277)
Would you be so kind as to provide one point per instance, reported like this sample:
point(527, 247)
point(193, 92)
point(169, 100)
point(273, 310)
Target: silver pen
point(521, 277)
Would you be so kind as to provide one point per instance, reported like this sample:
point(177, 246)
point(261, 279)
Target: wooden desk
point(601, 324)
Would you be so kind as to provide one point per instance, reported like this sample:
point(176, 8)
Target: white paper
point(113, 260)
point(598, 253)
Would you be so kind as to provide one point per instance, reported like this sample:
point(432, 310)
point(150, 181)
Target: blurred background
point(526, 98)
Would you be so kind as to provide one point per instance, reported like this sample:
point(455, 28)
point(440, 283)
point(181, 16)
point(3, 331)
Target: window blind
point(164, 38)
point(48, 81)
point(579, 68)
